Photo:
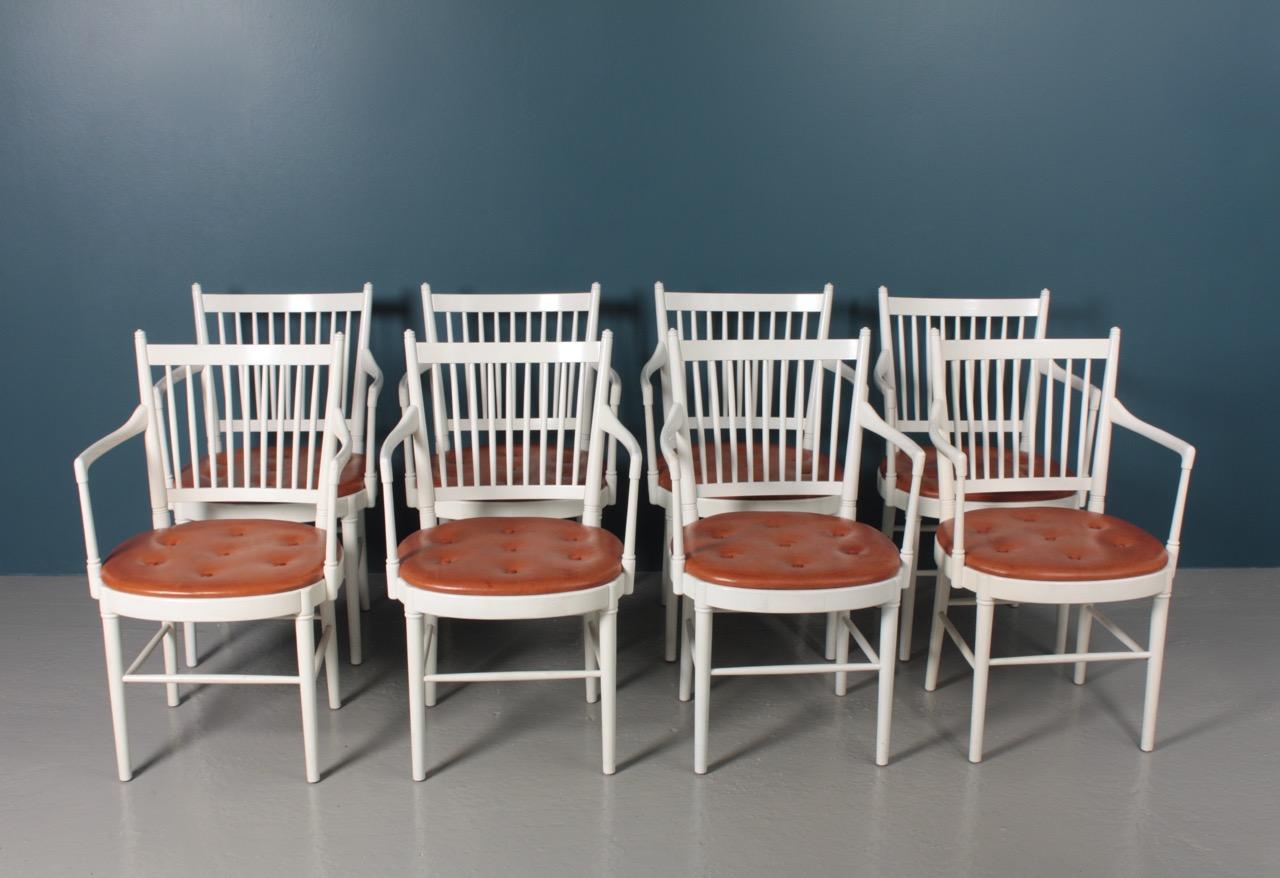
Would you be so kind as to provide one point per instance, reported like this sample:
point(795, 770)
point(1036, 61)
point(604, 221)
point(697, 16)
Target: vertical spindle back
point(246, 423)
point(770, 418)
point(297, 319)
point(981, 388)
point(905, 323)
point(516, 418)
point(507, 317)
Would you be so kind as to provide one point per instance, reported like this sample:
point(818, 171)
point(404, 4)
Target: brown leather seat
point(787, 457)
point(1054, 544)
point(510, 556)
point(787, 550)
point(929, 480)
point(352, 479)
point(217, 559)
point(561, 463)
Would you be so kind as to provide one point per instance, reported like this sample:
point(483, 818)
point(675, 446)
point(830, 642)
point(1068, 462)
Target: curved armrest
point(134, 426)
point(609, 422)
point(951, 476)
point(332, 564)
point(656, 362)
point(673, 441)
point(401, 434)
point(370, 366)
point(896, 439)
point(1122, 417)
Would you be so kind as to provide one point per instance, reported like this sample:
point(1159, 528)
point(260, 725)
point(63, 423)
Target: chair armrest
point(370, 366)
point(609, 422)
point(897, 440)
point(656, 362)
point(135, 425)
point(953, 466)
point(672, 442)
point(401, 434)
point(1122, 417)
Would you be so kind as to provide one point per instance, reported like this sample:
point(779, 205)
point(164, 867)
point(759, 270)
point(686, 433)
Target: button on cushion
point(351, 482)
point(510, 556)
point(787, 550)
point(787, 457)
point(213, 559)
point(1054, 544)
point(449, 462)
point(929, 480)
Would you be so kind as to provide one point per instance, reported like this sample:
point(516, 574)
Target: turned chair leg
point(884, 707)
point(941, 598)
point(417, 714)
point(1083, 628)
point(170, 646)
point(1155, 667)
point(329, 626)
point(351, 584)
point(686, 653)
point(189, 646)
point(115, 693)
point(703, 617)
point(608, 687)
point(981, 671)
point(305, 634)
point(589, 659)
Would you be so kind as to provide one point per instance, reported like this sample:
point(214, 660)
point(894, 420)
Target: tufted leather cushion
point(787, 550)
point(510, 556)
point(351, 482)
point(788, 458)
point(448, 461)
point(1054, 544)
point(929, 481)
point(215, 559)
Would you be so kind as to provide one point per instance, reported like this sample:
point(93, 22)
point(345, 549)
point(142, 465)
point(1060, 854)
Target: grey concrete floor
point(514, 785)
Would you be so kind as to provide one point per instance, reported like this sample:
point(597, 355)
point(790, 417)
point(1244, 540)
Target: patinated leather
point(929, 480)
point(352, 479)
point(1054, 544)
point(787, 550)
point(510, 556)
point(216, 559)
point(786, 456)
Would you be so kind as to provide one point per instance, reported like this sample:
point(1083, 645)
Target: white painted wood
point(775, 395)
point(517, 390)
point(724, 315)
point(184, 421)
point(1073, 383)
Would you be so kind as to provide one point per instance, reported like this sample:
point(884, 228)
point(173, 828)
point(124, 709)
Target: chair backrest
point(770, 418)
point(905, 323)
point(506, 317)
point(517, 420)
point(241, 423)
point(297, 319)
point(1062, 443)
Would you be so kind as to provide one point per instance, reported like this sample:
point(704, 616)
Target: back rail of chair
point(905, 322)
point(515, 416)
point(769, 417)
point(987, 382)
point(241, 422)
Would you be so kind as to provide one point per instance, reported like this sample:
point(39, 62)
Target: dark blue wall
point(1125, 154)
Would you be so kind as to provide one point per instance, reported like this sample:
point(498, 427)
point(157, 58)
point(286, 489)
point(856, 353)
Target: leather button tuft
point(742, 549)
point(477, 556)
point(1055, 544)
point(195, 559)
